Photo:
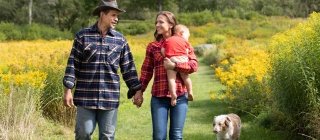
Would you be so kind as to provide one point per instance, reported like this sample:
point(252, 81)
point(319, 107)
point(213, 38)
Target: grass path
point(199, 118)
point(135, 124)
point(202, 110)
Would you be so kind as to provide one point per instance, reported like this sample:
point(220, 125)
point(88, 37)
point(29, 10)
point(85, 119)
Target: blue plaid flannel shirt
point(93, 68)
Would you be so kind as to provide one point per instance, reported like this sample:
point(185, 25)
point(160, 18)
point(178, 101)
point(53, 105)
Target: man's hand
point(168, 64)
point(67, 98)
point(138, 98)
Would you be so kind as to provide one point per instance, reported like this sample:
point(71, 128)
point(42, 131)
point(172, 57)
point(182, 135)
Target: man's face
point(110, 19)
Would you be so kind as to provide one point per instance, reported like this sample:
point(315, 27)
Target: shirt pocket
point(113, 54)
point(90, 52)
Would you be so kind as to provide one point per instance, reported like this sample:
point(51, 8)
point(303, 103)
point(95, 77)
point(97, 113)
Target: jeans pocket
point(183, 98)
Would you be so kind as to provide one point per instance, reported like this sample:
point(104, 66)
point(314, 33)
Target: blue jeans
point(161, 109)
point(87, 119)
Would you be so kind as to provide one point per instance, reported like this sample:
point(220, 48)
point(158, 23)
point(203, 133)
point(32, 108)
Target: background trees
point(73, 14)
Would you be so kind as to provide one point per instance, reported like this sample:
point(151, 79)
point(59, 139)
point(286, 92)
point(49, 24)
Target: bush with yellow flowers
point(245, 78)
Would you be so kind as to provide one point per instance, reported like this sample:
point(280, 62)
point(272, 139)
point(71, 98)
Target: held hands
point(68, 98)
point(168, 64)
point(138, 99)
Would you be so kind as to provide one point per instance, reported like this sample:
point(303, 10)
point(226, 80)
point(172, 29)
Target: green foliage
point(196, 18)
point(251, 15)
point(214, 56)
point(12, 31)
point(134, 27)
point(295, 74)
point(37, 31)
point(203, 49)
point(2, 36)
point(252, 97)
point(143, 10)
point(232, 13)
point(51, 99)
point(216, 39)
point(76, 14)
point(217, 16)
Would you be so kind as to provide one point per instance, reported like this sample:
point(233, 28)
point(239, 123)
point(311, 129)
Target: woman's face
point(162, 25)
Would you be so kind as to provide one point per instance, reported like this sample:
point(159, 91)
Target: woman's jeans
point(160, 110)
point(88, 118)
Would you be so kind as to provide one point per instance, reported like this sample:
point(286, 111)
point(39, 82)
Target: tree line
point(73, 14)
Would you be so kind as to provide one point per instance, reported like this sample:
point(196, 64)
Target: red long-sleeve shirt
point(153, 65)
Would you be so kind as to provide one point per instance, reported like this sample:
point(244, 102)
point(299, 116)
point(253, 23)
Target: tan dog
point(227, 127)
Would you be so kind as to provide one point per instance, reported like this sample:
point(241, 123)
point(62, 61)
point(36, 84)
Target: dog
point(227, 127)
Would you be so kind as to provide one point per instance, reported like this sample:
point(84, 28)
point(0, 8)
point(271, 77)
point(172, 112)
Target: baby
point(177, 48)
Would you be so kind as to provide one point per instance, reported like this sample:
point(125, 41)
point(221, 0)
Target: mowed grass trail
point(135, 123)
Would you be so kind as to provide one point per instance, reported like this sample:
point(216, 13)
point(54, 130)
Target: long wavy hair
point(170, 19)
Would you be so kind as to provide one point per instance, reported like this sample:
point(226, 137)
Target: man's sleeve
point(72, 69)
point(128, 69)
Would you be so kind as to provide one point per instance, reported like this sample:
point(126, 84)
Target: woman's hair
point(171, 19)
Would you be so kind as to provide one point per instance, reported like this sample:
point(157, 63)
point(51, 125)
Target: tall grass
point(296, 75)
point(51, 99)
point(20, 113)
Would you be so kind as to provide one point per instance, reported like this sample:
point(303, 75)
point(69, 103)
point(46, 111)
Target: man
point(97, 53)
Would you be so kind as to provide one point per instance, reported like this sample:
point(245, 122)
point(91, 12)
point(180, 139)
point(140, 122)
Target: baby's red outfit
point(176, 46)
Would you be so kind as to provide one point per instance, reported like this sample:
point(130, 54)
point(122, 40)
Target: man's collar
point(110, 32)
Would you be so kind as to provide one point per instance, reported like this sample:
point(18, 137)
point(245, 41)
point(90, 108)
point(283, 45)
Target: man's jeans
point(160, 110)
point(88, 118)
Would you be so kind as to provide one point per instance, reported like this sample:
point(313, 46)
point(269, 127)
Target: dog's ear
point(227, 121)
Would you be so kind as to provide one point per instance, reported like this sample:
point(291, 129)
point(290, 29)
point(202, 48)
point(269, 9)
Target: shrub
point(252, 97)
point(2, 36)
point(217, 16)
point(32, 32)
point(295, 74)
point(12, 31)
point(232, 13)
point(216, 39)
point(38, 31)
point(202, 49)
point(214, 56)
point(134, 27)
point(196, 18)
point(252, 15)
point(202, 18)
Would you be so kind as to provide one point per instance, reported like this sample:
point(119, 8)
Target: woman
point(155, 64)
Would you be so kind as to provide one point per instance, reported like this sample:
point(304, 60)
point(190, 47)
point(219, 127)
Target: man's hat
point(106, 4)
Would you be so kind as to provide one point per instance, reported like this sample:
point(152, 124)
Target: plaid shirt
point(93, 65)
point(153, 65)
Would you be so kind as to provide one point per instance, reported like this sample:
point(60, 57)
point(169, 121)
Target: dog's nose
point(215, 131)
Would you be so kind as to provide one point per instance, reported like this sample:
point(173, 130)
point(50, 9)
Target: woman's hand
point(168, 64)
point(138, 98)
